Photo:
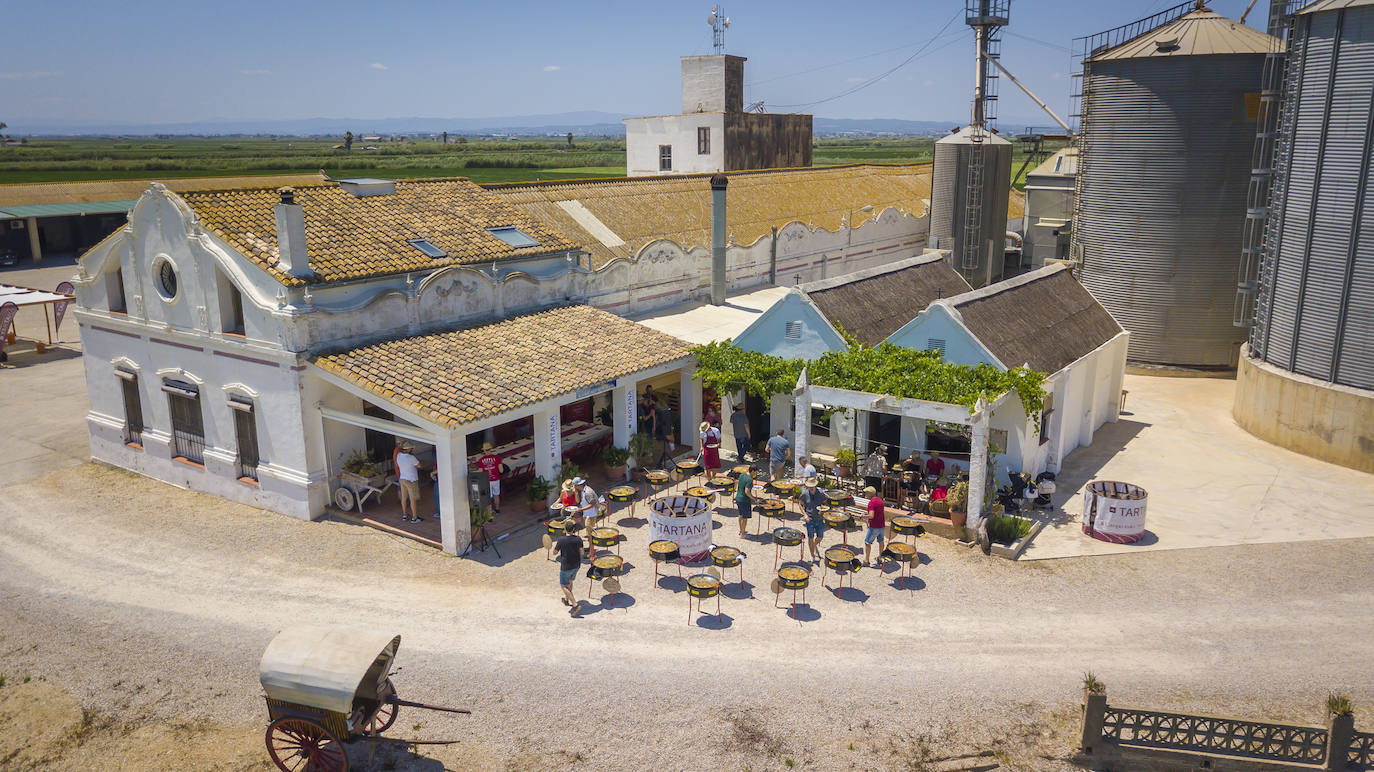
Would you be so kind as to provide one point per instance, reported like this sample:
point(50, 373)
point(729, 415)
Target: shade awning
point(68, 208)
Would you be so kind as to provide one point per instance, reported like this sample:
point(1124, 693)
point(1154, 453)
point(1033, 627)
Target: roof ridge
point(820, 285)
point(653, 178)
point(1006, 285)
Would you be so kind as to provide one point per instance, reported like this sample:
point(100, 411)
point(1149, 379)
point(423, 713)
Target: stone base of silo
point(1316, 418)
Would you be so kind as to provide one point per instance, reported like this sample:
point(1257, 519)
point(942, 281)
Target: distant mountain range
point(581, 123)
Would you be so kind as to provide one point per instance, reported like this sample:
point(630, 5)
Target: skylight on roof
point(426, 247)
point(513, 236)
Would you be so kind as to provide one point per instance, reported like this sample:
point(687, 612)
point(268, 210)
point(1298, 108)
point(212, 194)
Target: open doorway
point(885, 429)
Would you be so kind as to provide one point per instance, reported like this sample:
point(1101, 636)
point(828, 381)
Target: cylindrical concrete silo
point(949, 201)
point(1167, 129)
point(1315, 309)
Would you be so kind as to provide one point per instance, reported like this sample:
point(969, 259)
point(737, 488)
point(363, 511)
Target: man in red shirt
point(877, 525)
point(491, 464)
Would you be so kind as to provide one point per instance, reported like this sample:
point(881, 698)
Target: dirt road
point(148, 606)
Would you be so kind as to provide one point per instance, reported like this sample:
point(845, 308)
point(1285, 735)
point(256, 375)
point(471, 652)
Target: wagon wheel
point(386, 714)
point(345, 498)
point(300, 745)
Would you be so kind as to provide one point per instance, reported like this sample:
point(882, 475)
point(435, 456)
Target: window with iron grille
point(792, 330)
point(188, 425)
point(246, 432)
point(703, 140)
point(133, 409)
point(665, 158)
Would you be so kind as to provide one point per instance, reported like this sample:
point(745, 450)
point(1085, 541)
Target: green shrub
point(538, 489)
point(613, 456)
point(846, 457)
point(1008, 528)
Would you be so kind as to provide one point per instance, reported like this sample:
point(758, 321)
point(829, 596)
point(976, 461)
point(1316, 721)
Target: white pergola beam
point(378, 424)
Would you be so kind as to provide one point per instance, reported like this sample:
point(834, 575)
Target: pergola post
point(978, 464)
point(548, 444)
point(451, 460)
point(801, 404)
point(35, 245)
point(623, 413)
point(689, 406)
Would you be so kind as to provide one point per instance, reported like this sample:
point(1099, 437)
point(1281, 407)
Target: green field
point(485, 160)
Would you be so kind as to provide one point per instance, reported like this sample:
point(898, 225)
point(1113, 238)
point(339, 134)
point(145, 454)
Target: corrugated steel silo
point(1315, 308)
point(949, 201)
point(1167, 128)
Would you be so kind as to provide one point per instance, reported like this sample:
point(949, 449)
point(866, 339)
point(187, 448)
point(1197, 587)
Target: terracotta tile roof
point(352, 237)
point(29, 193)
point(639, 210)
point(874, 303)
point(1044, 318)
point(458, 377)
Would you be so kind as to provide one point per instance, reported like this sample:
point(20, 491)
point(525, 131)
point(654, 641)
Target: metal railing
point(1361, 753)
point(248, 470)
point(1227, 736)
point(188, 446)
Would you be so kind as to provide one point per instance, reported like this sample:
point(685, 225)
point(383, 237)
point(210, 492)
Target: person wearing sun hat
point(710, 447)
point(811, 500)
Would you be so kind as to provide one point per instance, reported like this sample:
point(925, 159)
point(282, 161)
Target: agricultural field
point(481, 160)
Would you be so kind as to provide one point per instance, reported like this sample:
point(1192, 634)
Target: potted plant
point(480, 516)
point(537, 491)
point(359, 469)
point(845, 461)
point(958, 504)
point(614, 458)
point(642, 448)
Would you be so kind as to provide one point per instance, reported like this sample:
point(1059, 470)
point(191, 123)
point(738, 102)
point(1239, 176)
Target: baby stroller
point(1044, 489)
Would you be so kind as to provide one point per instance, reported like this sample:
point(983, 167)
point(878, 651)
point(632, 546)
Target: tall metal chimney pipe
point(718, 183)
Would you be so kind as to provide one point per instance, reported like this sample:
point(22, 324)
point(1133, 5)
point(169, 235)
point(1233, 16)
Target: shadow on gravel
point(738, 591)
point(848, 594)
point(803, 612)
point(912, 583)
point(674, 584)
point(707, 620)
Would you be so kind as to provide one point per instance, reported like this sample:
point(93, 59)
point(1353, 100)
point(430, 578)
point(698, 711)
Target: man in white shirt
point(408, 470)
point(589, 506)
point(808, 469)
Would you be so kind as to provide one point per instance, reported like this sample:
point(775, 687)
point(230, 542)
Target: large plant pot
point(958, 519)
point(615, 473)
point(538, 506)
point(843, 470)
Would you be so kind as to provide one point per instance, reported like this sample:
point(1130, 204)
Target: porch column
point(35, 247)
point(801, 402)
point(689, 405)
point(455, 522)
point(548, 445)
point(978, 465)
point(623, 413)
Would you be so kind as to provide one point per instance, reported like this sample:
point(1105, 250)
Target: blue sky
point(143, 61)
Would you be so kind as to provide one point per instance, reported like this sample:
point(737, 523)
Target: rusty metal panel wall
point(1165, 166)
point(1317, 287)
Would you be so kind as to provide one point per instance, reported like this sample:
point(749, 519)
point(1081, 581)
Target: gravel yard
point(149, 606)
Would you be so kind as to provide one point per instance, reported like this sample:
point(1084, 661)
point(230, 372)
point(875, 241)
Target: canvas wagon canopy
point(326, 667)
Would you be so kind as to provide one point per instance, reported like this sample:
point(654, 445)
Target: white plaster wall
point(644, 135)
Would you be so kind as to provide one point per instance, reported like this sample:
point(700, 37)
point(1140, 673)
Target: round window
point(166, 275)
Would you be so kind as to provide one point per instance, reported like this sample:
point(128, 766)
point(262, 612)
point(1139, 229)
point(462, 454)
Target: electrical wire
point(1037, 40)
point(751, 84)
point(869, 82)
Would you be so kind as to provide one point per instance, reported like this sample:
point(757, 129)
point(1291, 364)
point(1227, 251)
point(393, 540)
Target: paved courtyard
point(1210, 483)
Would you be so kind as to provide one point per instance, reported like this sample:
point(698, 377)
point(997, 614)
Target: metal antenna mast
point(719, 23)
point(986, 17)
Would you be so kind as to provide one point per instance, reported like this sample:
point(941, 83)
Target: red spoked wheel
point(300, 745)
point(386, 714)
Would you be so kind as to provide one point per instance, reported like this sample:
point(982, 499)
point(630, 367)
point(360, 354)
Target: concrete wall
point(1316, 418)
point(767, 141)
point(643, 136)
point(713, 84)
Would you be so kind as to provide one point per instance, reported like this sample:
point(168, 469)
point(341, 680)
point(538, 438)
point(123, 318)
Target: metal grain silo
point(950, 200)
point(1314, 313)
point(1167, 128)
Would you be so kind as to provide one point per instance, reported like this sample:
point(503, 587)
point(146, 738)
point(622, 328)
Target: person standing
point(569, 550)
point(710, 448)
point(739, 425)
point(589, 507)
point(877, 525)
point(408, 471)
point(778, 451)
point(744, 499)
point(875, 466)
point(811, 501)
point(491, 464)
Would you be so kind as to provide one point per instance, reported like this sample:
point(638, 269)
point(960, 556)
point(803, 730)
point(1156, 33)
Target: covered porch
point(525, 384)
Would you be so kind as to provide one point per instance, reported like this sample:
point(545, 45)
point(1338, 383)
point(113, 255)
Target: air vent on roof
point(792, 331)
point(368, 186)
point(513, 236)
point(1165, 46)
point(936, 344)
point(427, 248)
